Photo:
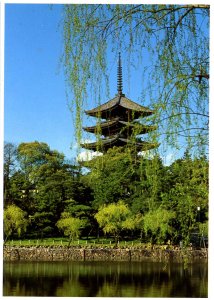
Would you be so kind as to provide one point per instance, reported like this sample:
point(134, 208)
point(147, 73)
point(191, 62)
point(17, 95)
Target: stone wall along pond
point(62, 253)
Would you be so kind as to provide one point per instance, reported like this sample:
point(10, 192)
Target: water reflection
point(105, 279)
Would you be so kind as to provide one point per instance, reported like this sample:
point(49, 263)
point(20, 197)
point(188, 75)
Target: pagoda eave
point(116, 125)
point(120, 105)
point(105, 144)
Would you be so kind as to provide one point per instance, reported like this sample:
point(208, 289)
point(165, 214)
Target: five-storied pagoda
point(117, 122)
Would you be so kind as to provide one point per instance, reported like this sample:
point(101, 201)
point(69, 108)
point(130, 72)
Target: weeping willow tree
point(169, 42)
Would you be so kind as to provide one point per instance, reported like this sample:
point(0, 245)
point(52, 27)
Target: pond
point(105, 279)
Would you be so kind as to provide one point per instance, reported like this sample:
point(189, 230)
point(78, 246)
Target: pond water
point(105, 279)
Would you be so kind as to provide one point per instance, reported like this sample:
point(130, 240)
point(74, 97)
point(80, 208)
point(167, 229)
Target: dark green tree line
point(44, 185)
point(160, 202)
point(166, 198)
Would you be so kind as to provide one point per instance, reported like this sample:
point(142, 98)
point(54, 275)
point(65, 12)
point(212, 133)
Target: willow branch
point(182, 17)
point(184, 113)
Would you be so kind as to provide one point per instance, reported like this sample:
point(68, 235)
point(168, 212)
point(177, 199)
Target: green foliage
point(203, 229)
point(158, 223)
point(14, 221)
point(69, 225)
point(22, 191)
point(36, 159)
point(189, 190)
point(160, 201)
point(10, 160)
point(121, 174)
point(41, 223)
point(115, 217)
point(110, 176)
point(152, 183)
point(44, 186)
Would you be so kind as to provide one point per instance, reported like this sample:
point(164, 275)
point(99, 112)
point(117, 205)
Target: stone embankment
point(63, 253)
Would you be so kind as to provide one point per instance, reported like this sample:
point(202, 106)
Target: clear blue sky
point(35, 101)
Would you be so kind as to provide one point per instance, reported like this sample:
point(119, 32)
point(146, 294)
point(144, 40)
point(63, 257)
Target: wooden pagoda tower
point(117, 122)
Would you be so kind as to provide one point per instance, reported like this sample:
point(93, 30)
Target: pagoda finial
point(119, 77)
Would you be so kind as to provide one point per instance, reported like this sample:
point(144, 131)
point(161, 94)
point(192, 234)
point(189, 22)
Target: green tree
point(84, 211)
point(121, 174)
point(36, 154)
point(70, 226)
point(158, 224)
point(14, 221)
point(189, 190)
point(44, 186)
point(10, 162)
point(110, 176)
point(115, 217)
point(22, 191)
point(149, 184)
point(175, 41)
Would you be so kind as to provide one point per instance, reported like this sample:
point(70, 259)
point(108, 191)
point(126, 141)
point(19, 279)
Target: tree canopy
point(43, 185)
point(69, 225)
point(14, 221)
point(45, 194)
point(114, 218)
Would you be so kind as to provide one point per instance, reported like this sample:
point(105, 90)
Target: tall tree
point(10, 161)
point(22, 191)
point(44, 185)
point(111, 176)
point(173, 39)
point(157, 223)
point(188, 195)
point(36, 154)
point(119, 174)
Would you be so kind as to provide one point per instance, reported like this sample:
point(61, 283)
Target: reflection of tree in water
point(124, 284)
point(188, 284)
point(31, 286)
point(31, 279)
point(132, 280)
point(98, 279)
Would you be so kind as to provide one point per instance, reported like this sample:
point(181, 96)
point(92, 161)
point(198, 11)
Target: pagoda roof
point(119, 102)
point(118, 141)
point(115, 125)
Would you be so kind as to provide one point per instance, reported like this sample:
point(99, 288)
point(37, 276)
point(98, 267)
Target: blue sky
point(35, 106)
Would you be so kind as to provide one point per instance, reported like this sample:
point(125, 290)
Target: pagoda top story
point(119, 106)
point(120, 126)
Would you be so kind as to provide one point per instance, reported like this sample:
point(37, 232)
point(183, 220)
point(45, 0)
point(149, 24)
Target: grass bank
point(91, 243)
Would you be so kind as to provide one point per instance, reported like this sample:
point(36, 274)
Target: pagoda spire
point(119, 77)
